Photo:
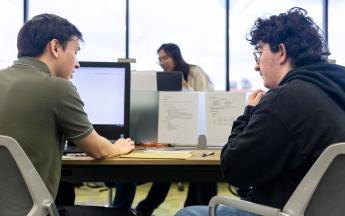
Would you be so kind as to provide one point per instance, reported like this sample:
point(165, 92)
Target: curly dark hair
point(301, 37)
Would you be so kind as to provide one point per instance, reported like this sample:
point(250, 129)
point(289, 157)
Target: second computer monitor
point(169, 81)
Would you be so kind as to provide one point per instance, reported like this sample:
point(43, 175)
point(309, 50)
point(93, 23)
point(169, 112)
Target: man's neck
point(48, 62)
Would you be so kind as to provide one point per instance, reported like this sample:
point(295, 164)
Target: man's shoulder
point(55, 88)
point(289, 98)
point(4, 69)
point(7, 69)
point(288, 89)
point(289, 92)
point(59, 82)
point(56, 83)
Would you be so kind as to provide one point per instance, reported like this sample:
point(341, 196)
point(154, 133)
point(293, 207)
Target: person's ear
point(54, 46)
point(283, 56)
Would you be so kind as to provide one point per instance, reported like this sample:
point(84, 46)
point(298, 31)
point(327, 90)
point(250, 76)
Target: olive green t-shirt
point(39, 110)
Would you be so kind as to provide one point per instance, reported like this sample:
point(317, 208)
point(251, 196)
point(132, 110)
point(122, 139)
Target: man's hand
point(125, 145)
point(255, 97)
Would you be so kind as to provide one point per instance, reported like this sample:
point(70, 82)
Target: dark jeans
point(66, 194)
point(198, 194)
point(124, 196)
point(156, 196)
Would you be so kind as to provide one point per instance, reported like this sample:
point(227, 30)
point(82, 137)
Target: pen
point(207, 154)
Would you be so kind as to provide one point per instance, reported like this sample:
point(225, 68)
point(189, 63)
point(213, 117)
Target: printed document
point(222, 108)
point(178, 117)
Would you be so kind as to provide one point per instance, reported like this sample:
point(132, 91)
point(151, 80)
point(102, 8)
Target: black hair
point(297, 31)
point(173, 51)
point(37, 32)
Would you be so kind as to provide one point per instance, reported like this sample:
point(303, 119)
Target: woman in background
point(194, 79)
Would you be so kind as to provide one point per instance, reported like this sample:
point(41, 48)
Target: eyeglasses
point(257, 55)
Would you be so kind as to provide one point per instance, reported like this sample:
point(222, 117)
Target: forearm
point(113, 150)
point(98, 147)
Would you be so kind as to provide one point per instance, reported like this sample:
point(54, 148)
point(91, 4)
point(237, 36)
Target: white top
point(198, 80)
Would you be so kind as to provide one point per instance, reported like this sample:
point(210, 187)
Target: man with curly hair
point(283, 131)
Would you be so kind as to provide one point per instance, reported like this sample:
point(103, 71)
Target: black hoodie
point(329, 77)
point(273, 145)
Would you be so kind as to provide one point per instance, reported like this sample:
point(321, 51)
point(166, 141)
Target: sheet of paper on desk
point(178, 117)
point(222, 108)
point(156, 154)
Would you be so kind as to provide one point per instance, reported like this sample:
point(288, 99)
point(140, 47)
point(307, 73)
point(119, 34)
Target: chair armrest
point(242, 205)
point(52, 210)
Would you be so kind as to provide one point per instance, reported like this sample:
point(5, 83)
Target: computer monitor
point(104, 87)
point(169, 81)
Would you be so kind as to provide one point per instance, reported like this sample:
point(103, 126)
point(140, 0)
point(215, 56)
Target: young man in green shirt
point(39, 105)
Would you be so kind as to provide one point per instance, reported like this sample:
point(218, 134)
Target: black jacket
point(273, 145)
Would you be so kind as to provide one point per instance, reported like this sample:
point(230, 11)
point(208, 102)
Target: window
point(336, 30)
point(12, 20)
point(196, 26)
point(102, 23)
point(242, 16)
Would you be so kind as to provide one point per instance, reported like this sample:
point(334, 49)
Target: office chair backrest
point(322, 190)
point(329, 196)
point(22, 191)
point(320, 193)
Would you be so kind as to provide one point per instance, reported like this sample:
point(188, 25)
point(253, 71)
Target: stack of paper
point(159, 154)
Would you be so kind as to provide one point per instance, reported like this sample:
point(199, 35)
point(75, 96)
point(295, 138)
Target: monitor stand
point(202, 143)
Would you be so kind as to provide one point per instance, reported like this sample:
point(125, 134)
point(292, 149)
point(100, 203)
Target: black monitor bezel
point(169, 81)
point(113, 132)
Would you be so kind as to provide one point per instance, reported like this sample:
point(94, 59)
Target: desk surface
point(195, 168)
point(195, 159)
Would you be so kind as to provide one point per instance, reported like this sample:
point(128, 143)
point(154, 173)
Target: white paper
point(143, 80)
point(222, 108)
point(178, 118)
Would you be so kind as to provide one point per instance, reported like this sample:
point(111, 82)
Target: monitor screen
point(104, 87)
point(169, 81)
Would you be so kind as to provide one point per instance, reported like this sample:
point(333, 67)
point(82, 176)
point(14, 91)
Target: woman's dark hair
point(37, 32)
point(173, 51)
point(297, 31)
